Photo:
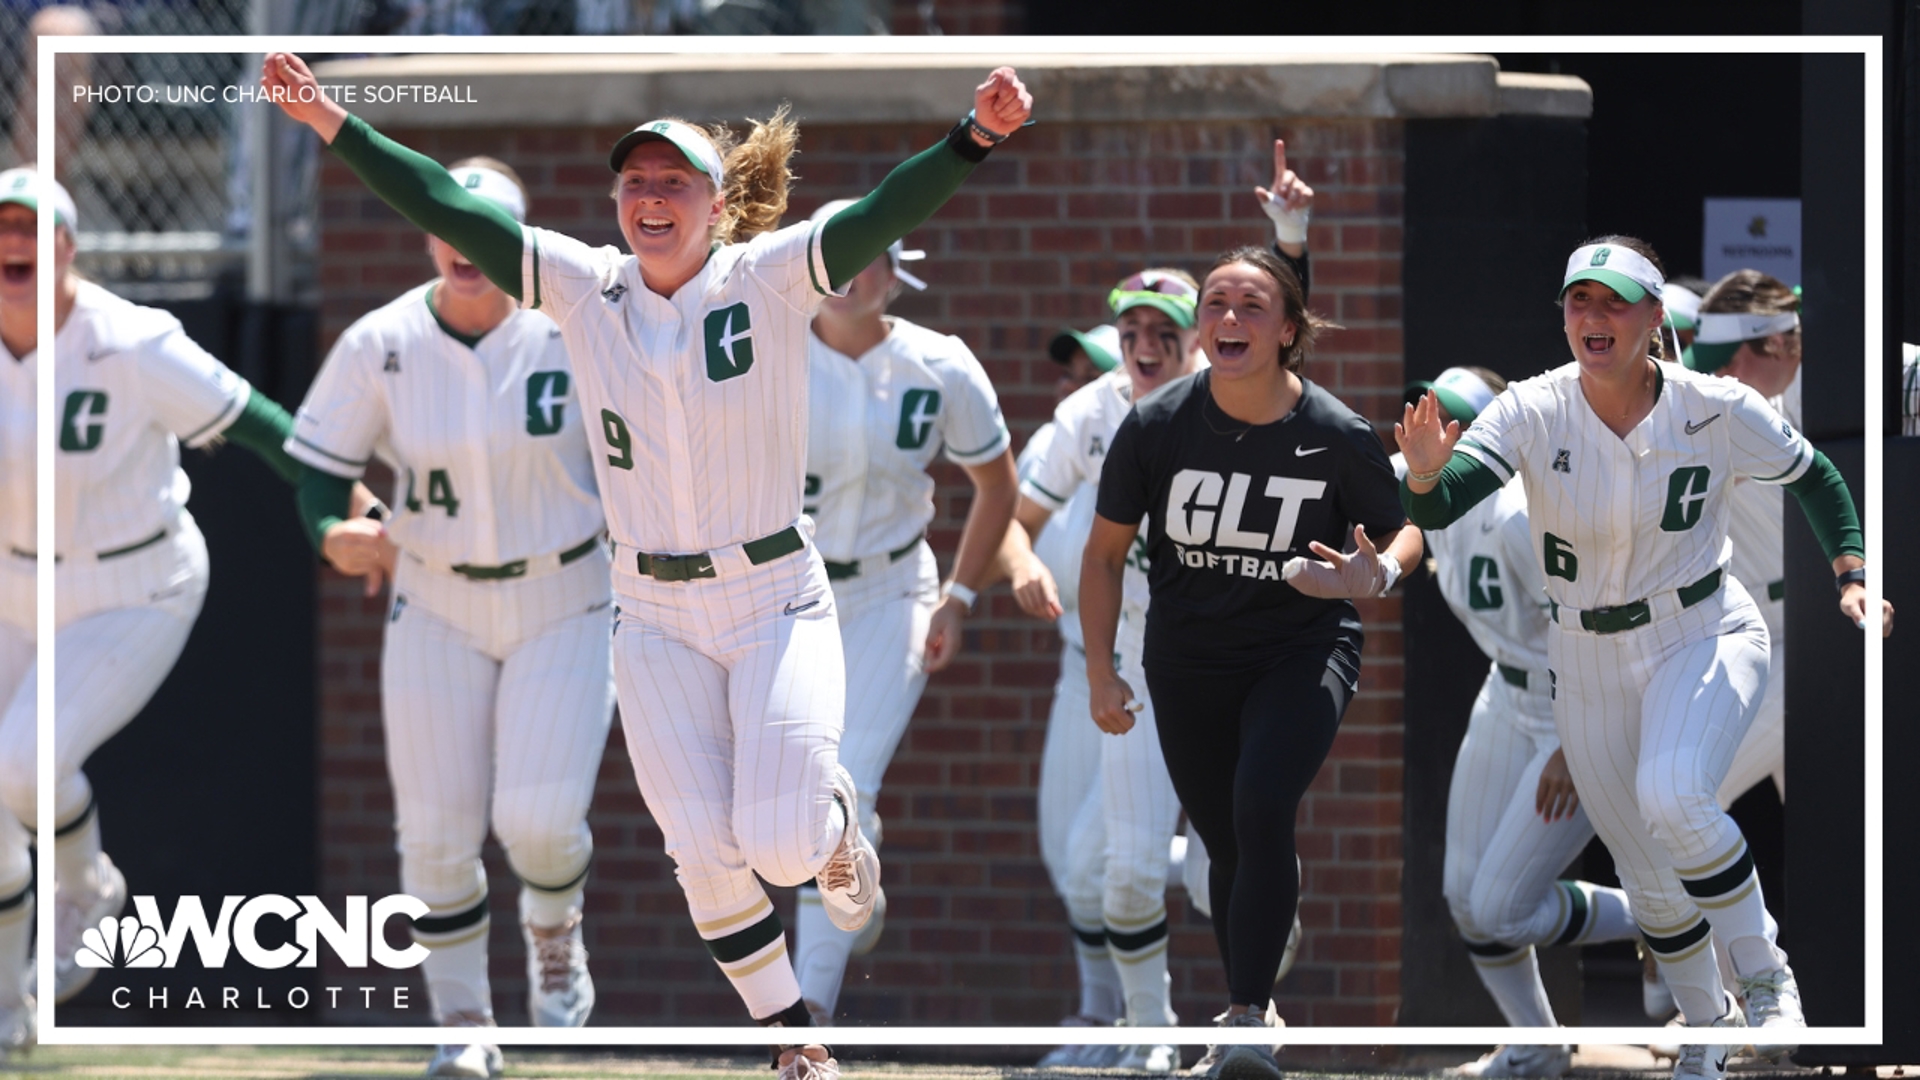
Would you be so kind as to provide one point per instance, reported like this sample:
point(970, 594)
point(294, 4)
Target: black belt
point(1612, 620)
point(110, 553)
point(700, 564)
point(1514, 676)
point(518, 567)
point(840, 571)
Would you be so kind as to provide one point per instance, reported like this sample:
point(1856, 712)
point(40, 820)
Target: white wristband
point(963, 594)
point(1390, 570)
point(1289, 226)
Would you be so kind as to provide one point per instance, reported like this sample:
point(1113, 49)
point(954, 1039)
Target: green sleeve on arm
point(1824, 498)
point(1464, 481)
point(428, 196)
point(324, 500)
point(263, 427)
point(908, 196)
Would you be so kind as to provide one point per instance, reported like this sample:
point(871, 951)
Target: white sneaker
point(1710, 1062)
point(850, 882)
point(1520, 1061)
point(1077, 1055)
point(802, 1067)
point(477, 1061)
point(73, 915)
point(1158, 1059)
point(18, 1032)
point(1655, 998)
point(1773, 1001)
point(1224, 1061)
point(559, 988)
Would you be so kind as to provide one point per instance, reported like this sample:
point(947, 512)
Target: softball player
point(1657, 657)
point(129, 388)
point(1513, 818)
point(690, 358)
point(496, 675)
point(885, 397)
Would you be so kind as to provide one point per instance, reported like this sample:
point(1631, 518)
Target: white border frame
point(1012, 50)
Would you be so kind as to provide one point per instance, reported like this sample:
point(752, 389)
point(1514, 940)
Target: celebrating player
point(1513, 818)
point(885, 397)
point(131, 566)
point(1657, 657)
point(1252, 648)
point(496, 681)
point(690, 356)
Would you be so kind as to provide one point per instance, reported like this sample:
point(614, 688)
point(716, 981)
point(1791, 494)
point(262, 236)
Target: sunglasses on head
point(1154, 281)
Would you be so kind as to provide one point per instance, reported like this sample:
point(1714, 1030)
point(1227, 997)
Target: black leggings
point(1242, 747)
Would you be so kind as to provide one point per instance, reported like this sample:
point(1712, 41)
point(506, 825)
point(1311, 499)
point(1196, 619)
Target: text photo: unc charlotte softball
point(1228, 412)
point(247, 94)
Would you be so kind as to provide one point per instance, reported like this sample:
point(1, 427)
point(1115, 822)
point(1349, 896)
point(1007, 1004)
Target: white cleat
point(18, 1030)
point(73, 914)
point(559, 987)
point(1533, 1062)
point(476, 1061)
point(1710, 1062)
point(850, 881)
point(1155, 1059)
point(1773, 1003)
point(1077, 1055)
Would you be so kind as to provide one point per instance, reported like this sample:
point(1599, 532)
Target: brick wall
point(1034, 240)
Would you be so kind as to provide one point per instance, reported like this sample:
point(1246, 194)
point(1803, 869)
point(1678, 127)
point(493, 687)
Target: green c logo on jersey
point(546, 402)
point(729, 344)
point(1483, 584)
point(1686, 498)
point(1600, 257)
point(917, 411)
point(83, 421)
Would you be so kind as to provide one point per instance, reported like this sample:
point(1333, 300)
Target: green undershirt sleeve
point(427, 195)
point(263, 427)
point(1464, 481)
point(324, 500)
point(1824, 498)
point(908, 196)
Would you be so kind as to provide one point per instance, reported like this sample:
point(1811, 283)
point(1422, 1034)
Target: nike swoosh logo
point(1488, 527)
point(1722, 1063)
point(791, 610)
point(1695, 429)
point(101, 354)
point(1301, 451)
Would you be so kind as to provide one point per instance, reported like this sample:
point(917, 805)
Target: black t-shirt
point(1229, 504)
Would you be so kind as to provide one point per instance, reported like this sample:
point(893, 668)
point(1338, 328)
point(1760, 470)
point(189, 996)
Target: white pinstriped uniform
point(1759, 562)
point(496, 694)
point(731, 688)
point(18, 485)
point(877, 422)
point(1650, 716)
point(129, 387)
point(1136, 800)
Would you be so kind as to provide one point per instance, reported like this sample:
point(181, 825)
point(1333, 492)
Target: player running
point(496, 682)
point(1657, 657)
point(1513, 818)
point(885, 398)
point(130, 565)
point(691, 365)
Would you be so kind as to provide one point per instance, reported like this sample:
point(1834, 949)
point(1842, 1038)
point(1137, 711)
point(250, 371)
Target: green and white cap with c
point(1621, 269)
point(1721, 334)
point(26, 186)
point(692, 142)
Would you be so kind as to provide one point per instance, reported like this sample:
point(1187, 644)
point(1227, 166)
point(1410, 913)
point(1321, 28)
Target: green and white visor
point(1683, 306)
point(494, 187)
point(1621, 269)
point(1101, 344)
point(1162, 292)
point(1462, 393)
point(699, 149)
point(25, 186)
point(1721, 335)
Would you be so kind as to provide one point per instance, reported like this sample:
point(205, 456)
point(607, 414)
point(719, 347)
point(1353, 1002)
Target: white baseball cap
point(691, 141)
point(1463, 393)
point(1619, 268)
point(896, 251)
point(1683, 306)
point(25, 186)
point(493, 186)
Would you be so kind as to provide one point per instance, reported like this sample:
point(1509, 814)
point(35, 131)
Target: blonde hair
point(757, 173)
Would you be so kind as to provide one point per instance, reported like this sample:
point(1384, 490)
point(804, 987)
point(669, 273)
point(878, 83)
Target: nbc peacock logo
point(121, 943)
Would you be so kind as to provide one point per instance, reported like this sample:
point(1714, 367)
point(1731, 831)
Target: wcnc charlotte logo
point(266, 932)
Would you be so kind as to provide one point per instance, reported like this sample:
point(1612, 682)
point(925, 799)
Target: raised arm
point(924, 182)
point(412, 183)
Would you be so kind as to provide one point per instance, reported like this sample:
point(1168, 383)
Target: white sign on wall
point(1752, 234)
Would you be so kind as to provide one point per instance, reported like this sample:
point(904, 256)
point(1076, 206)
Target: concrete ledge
point(615, 91)
point(1522, 94)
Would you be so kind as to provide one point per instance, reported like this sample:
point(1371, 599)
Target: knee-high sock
point(1100, 995)
point(750, 945)
point(1512, 978)
point(1691, 970)
point(1140, 957)
point(456, 965)
point(1728, 892)
point(76, 850)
